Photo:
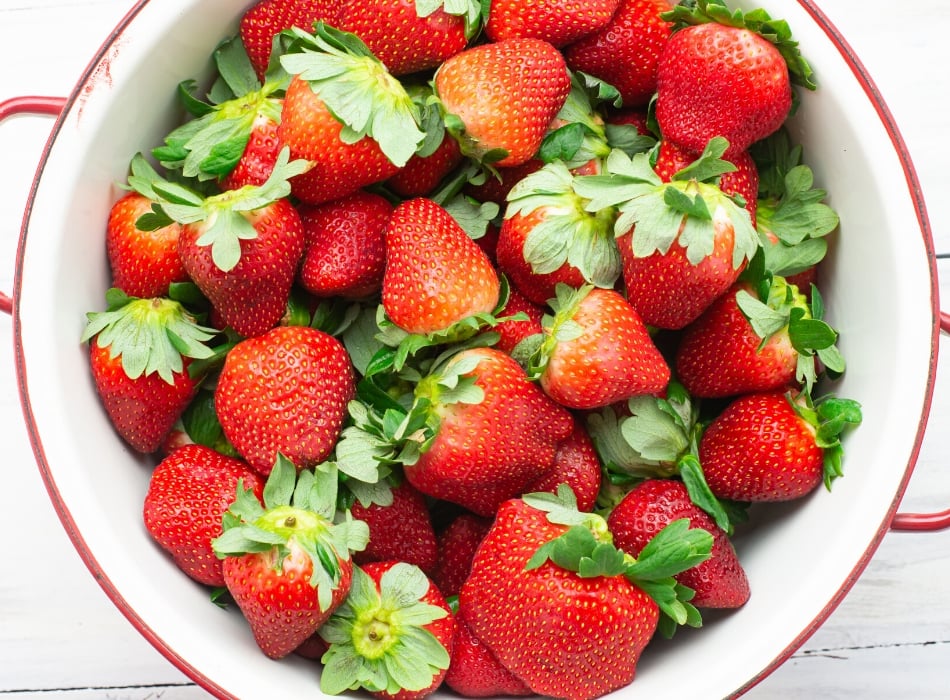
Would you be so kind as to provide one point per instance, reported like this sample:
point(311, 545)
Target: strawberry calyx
point(357, 89)
point(299, 511)
point(586, 548)
point(148, 335)
point(569, 232)
point(775, 306)
point(688, 210)
point(577, 134)
point(829, 417)
point(224, 216)
point(777, 31)
point(377, 637)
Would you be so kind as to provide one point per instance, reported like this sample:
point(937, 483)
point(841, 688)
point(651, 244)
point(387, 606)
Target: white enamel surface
point(878, 289)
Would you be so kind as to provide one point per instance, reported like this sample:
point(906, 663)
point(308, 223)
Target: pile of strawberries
point(465, 333)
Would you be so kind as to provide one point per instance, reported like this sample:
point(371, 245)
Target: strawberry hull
point(94, 482)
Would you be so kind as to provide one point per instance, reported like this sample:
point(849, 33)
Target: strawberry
point(577, 465)
point(569, 623)
point(139, 354)
point(775, 446)
point(345, 114)
point(548, 237)
point(400, 528)
point(457, 544)
point(436, 276)
point(287, 563)
point(625, 52)
point(718, 582)
point(499, 98)
point(345, 250)
point(259, 157)
point(284, 391)
point(188, 493)
point(683, 242)
point(596, 351)
point(143, 261)
point(268, 18)
point(725, 73)
point(559, 22)
point(513, 331)
point(422, 173)
point(756, 339)
point(474, 672)
point(393, 636)
point(408, 36)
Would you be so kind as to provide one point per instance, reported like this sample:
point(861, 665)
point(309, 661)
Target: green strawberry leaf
point(691, 472)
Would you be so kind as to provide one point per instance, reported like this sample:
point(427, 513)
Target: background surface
point(61, 638)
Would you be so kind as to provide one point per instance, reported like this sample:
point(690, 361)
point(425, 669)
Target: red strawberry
point(144, 262)
point(288, 566)
point(568, 625)
point(140, 350)
point(559, 22)
point(405, 41)
point(393, 636)
point(683, 242)
point(512, 332)
point(497, 432)
point(726, 78)
point(285, 391)
point(345, 253)
point(435, 274)
point(720, 581)
point(577, 465)
point(548, 237)
point(475, 672)
point(345, 114)
point(501, 97)
point(596, 351)
point(422, 174)
point(756, 340)
point(188, 493)
point(399, 530)
point(775, 446)
point(259, 157)
point(625, 52)
point(457, 544)
point(263, 21)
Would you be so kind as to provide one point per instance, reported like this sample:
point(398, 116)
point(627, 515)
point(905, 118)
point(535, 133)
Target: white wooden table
point(61, 638)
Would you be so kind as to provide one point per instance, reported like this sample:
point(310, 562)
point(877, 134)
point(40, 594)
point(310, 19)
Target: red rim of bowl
point(913, 184)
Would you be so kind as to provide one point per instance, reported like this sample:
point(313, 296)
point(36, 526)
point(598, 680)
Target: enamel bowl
point(801, 561)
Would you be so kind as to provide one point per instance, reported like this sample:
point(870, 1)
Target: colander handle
point(925, 522)
point(36, 106)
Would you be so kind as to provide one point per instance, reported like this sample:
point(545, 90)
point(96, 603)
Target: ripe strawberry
point(403, 38)
point(577, 465)
point(400, 528)
point(626, 51)
point(474, 672)
point(559, 22)
point(729, 78)
point(457, 544)
point(548, 237)
point(756, 340)
point(422, 174)
point(259, 157)
point(496, 431)
point(436, 276)
point(345, 250)
point(683, 242)
point(345, 114)
point(499, 98)
point(188, 493)
point(139, 359)
point(720, 581)
point(263, 21)
point(775, 446)
point(284, 391)
point(567, 624)
point(393, 636)
point(287, 564)
point(596, 351)
point(143, 261)
point(512, 332)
